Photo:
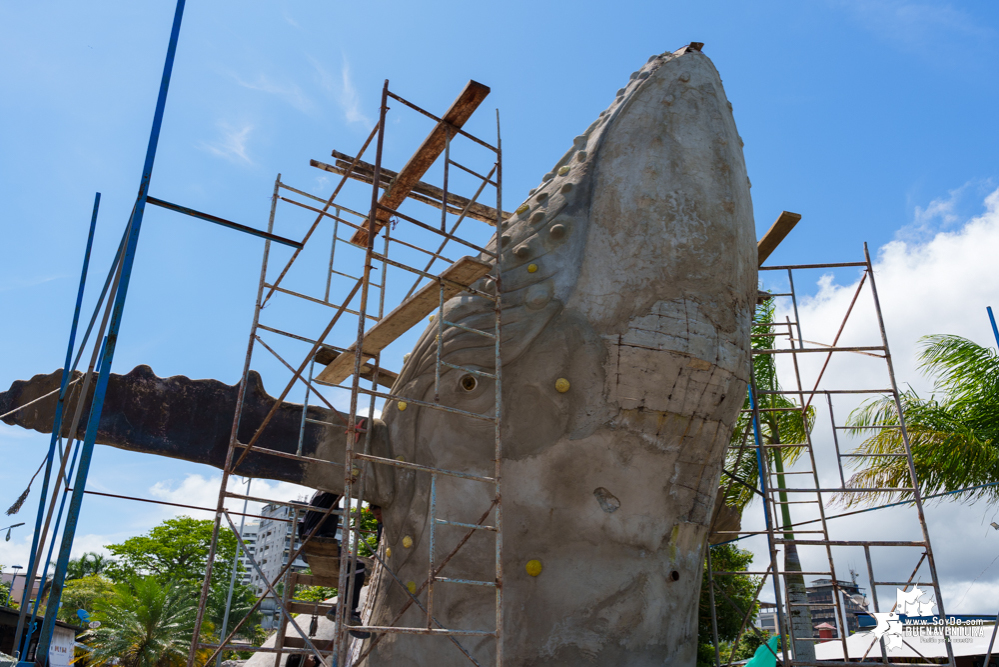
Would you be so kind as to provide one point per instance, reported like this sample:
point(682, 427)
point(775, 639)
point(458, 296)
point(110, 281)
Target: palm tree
point(144, 623)
point(778, 425)
point(783, 432)
point(953, 434)
point(86, 565)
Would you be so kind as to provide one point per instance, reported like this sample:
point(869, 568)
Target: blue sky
point(875, 120)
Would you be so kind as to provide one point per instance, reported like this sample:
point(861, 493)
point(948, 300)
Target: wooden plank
point(386, 378)
point(415, 196)
point(406, 315)
point(431, 148)
point(316, 580)
point(780, 229)
point(433, 195)
point(309, 608)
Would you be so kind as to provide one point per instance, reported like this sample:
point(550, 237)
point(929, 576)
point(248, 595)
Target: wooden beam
point(456, 203)
point(781, 228)
point(428, 152)
point(386, 378)
point(406, 315)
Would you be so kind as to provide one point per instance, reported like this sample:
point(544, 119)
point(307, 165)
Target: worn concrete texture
point(632, 275)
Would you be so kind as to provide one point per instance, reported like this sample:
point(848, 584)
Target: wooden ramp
point(406, 315)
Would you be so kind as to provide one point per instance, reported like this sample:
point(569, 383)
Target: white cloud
point(342, 90)
point(288, 91)
point(914, 25)
point(940, 284)
point(232, 145)
point(197, 491)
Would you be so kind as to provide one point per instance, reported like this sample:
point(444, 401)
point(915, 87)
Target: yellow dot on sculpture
point(431, 318)
point(400, 458)
point(532, 268)
point(523, 208)
point(411, 585)
point(533, 567)
point(562, 171)
point(407, 542)
point(402, 405)
point(388, 552)
point(561, 385)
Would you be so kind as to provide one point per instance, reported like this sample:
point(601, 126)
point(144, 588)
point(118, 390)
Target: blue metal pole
point(86, 453)
point(56, 427)
point(761, 472)
point(992, 318)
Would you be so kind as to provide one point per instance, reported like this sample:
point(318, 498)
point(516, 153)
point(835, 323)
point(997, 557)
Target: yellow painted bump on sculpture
point(388, 552)
point(400, 458)
point(562, 171)
point(402, 405)
point(431, 318)
point(407, 542)
point(561, 385)
point(533, 567)
point(411, 586)
point(532, 268)
point(523, 208)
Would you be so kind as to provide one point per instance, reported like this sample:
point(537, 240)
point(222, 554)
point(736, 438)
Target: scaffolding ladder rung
point(286, 455)
point(469, 329)
point(469, 370)
point(468, 582)
point(476, 526)
point(417, 466)
point(406, 315)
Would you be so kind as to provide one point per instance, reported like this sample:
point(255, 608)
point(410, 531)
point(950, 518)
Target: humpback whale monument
point(637, 285)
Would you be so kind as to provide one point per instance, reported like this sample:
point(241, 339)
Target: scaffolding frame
point(374, 328)
point(776, 491)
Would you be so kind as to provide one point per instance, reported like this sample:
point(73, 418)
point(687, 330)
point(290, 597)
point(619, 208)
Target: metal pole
point(112, 341)
point(988, 654)
point(714, 615)
point(499, 396)
point(346, 580)
point(57, 425)
point(995, 331)
point(233, 433)
point(232, 579)
point(916, 495)
point(761, 472)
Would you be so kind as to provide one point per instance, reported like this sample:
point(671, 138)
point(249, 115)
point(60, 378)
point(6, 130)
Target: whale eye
point(468, 382)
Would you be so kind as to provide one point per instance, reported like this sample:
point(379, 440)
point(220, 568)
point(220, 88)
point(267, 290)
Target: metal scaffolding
point(810, 492)
point(344, 359)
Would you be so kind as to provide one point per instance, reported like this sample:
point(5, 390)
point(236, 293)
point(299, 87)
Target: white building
point(273, 545)
point(249, 536)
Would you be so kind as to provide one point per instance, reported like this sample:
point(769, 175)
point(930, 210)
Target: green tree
point(5, 592)
point(88, 564)
point(176, 550)
point(735, 596)
point(144, 623)
point(953, 434)
point(176, 553)
point(83, 593)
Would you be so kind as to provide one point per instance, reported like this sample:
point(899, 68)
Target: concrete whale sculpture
point(629, 286)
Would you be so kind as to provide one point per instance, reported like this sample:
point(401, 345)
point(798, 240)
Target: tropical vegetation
point(953, 433)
